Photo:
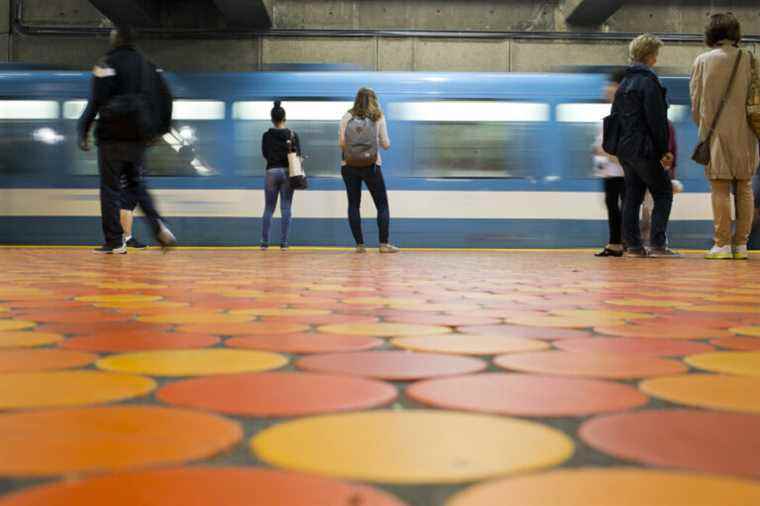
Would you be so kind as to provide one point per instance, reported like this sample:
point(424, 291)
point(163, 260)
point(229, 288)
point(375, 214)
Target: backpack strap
point(725, 95)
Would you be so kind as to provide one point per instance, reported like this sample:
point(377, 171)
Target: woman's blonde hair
point(644, 46)
point(366, 105)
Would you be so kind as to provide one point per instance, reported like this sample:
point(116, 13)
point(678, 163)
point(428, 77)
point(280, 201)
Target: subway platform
point(321, 378)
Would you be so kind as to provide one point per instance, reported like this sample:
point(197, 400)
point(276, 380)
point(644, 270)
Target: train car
point(479, 160)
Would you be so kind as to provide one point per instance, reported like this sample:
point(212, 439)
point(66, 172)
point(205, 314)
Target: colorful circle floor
point(241, 377)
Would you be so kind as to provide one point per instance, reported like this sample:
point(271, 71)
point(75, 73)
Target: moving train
point(478, 160)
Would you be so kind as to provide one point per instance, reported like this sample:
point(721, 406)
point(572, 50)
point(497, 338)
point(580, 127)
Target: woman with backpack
point(363, 130)
point(276, 143)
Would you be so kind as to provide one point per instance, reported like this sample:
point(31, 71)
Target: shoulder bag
point(753, 98)
point(296, 174)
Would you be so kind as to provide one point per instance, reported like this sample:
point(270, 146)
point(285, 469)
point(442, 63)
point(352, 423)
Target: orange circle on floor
point(730, 343)
point(8, 325)
point(46, 443)
point(710, 391)
point(306, 343)
point(655, 347)
point(278, 395)
point(26, 339)
point(69, 388)
point(139, 342)
point(663, 331)
point(391, 365)
point(705, 441)
point(612, 486)
point(526, 395)
point(383, 329)
point(202, 486)
point(244, 329)
point(83, 316)
point(411, 446)
point(545, 333)
point(591, 365)
point(468, 344)
point(196, 317)
point(741, 363)
point(43, 359)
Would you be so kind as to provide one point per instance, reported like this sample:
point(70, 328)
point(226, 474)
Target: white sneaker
point(360, 248)
point(166, 238)
point(720, 253)
point(741, 253)
point(389, 248)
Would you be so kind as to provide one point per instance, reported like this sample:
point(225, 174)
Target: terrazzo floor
point(321, 378)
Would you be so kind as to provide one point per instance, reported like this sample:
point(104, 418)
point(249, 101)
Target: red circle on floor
point(423, 318)
point(28, 360)
point(306, 343)
point(392, 365)
point(244, 328)
point(544, 333)
point(278, 395)
point(203, 486)
point(591, 365)
point(139, 342)
point(84, 317)
point(526, 395)
point(656, 347)
point(660, 330)
point(707, 441)
point(737, 343)
point(104, 328)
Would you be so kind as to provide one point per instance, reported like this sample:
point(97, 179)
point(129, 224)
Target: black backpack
point(141, 116)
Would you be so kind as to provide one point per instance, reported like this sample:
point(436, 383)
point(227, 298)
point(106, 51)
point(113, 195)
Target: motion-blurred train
point(478, 160)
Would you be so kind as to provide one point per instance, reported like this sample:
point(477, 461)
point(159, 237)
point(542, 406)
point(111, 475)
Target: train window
point(581, 125)
point(582, 113)
point(679, 113)
point(29, 109)
point(198, 110)
point(73, 109)
point(316, 123)
point(472, 138)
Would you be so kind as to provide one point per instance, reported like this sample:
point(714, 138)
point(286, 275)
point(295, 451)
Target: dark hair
point(278, 113)
point(617, 75)
point(723, 26)
point(125, 35)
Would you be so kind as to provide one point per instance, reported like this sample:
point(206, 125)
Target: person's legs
point(645, 222)
point(659, 185)
point(376, 186)
point(286, 203)
point(134, 171)
point(745, 211)
point(353, 183)
point(110, 168)
point(271, 191)
point(720, 192)
point(634, 196)
point(127, 218)
point(614, 191)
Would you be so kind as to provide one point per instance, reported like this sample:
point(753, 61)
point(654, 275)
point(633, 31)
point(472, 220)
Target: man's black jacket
point(641, 103)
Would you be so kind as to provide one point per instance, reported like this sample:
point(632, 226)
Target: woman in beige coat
point(734, 146)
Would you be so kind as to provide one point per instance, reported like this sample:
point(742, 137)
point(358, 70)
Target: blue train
point(478, 160)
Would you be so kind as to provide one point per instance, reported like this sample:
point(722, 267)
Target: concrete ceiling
point(242, 14)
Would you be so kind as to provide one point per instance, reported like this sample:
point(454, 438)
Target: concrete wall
point(382, 53)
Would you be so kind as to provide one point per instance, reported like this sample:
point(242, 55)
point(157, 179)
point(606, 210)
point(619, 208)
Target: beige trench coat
point(734, 147)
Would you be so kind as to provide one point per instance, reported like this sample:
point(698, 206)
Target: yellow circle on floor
point(277, 311)
point(129, 286)
point(26, 339)
point(188, 317)
point(383, 329)
point(192, 362)
point(382, 301)
point(723, 308)
point(238, 294)
point(746, 331)
point(711, 391)
point(69, 388)
point(742, 363)
point(412, 446)
point(119, 298)
point(612, 486)
point(601, 314)
point(15, 325)
point(461, 344)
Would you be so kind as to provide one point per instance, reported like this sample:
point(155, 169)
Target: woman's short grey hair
point(644, 46)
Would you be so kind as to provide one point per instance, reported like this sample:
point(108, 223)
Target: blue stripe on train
point(453, 233)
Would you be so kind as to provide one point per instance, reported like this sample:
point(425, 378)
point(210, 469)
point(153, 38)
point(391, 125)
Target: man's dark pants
point(641, 175)
point(117, 161)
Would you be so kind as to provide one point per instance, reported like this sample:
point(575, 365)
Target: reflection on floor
point(305, 378)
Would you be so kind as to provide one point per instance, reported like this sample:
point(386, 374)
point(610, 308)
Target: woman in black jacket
point(643, 150)
point(275, 146)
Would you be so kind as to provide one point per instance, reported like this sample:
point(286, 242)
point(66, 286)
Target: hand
point(667, 161)
point(84, 144)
